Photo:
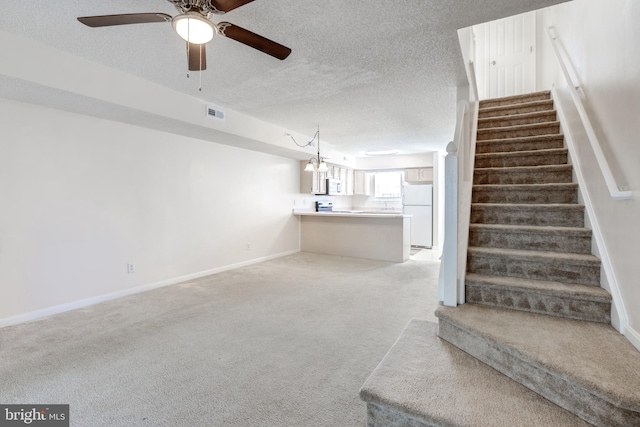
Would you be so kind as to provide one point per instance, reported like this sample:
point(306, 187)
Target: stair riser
point(506, 195)
point(571, 308)
point(524, 109)
point(558, 390)
point(498, 146)
point(524, 216)
point(379, 416)
point(565, 272)
point(521, 159)
point(506, 121)
point(481, 177)
point(530, 241)
point(514, 101)
point(543, 129)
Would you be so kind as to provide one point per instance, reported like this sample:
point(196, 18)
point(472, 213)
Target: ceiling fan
point(194, 26)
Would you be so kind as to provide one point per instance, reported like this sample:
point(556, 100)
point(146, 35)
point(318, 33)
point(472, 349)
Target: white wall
point(602, 39)
point(82, 197)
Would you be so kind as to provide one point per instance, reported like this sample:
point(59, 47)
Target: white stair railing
point(615, 190)
point(458, 171)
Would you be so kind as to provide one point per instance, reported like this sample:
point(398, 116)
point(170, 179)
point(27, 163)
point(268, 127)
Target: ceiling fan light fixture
point(194, 28)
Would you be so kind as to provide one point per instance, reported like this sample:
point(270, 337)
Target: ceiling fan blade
point(197, 56)
point(128, 18)
point(253, 40)
point(225, 6)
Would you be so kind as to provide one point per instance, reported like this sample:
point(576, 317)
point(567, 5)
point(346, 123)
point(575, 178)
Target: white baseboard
point(50, 311)
point(633, 336)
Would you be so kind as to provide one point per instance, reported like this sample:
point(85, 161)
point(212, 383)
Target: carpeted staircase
point(535, 310)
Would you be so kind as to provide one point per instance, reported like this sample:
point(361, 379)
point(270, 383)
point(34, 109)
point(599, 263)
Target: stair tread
point(544, 287)
point(590, 355)
point(542, 256)
point(534, 229)
point(432, 381)
point(523, 153)
point(538, 168)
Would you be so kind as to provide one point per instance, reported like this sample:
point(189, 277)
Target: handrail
point(474, 83)
point(462, 109)
point(616, 191)
point(471, 70)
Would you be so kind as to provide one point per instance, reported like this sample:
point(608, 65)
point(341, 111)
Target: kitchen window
point(388, 185)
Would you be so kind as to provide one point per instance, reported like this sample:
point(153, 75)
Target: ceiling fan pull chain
point(200, 67)
point(188, 48)
point(188, 44)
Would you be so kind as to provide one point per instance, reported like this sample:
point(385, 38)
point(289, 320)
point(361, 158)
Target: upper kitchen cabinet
point(346, 176)
point(361, 183)
point(418, 175)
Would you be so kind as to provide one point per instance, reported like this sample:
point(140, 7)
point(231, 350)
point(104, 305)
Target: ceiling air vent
point(214, 112)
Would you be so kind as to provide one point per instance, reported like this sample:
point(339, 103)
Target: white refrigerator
point(417, 201)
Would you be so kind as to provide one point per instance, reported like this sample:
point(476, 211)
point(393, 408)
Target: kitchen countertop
point(353, 214)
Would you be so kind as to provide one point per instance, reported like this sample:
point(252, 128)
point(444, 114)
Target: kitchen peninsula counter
point(358, 234)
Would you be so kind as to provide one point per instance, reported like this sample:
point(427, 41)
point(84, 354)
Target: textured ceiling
point(373, 74)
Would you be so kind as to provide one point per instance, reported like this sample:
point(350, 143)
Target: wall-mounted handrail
point(616, 191)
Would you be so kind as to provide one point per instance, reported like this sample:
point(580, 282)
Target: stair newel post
point(450, 249)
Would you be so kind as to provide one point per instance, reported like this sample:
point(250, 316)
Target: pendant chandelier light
point(315, 164)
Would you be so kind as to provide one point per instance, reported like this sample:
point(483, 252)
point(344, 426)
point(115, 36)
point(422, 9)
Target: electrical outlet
point(131, 268)
point(248, 246)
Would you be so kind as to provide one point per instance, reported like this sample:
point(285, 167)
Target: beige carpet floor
point(288, 342)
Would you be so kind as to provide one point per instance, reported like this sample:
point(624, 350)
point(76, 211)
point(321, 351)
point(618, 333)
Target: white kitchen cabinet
point(362, 183)
point(418, 175)
point(349, 182)
point(331, 172)
point(344, 178)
